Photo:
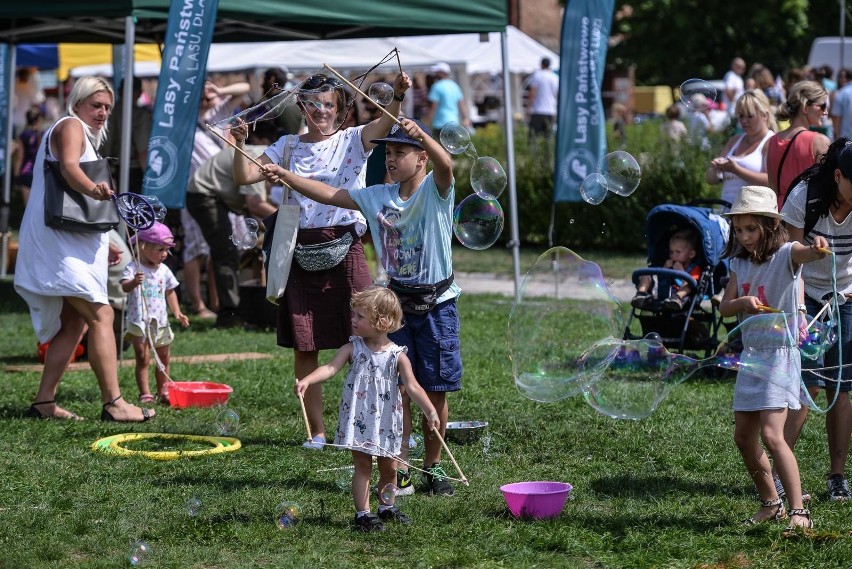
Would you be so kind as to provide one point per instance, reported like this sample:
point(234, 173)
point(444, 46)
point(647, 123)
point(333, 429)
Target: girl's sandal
point(777, 516)
point(796, 529)
point(146, 399)
point(34, 413)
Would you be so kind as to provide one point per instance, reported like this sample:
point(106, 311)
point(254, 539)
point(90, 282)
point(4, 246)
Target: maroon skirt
point(314, 313)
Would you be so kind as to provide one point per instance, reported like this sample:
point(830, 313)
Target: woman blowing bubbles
point(63, 275)
point(314, 312)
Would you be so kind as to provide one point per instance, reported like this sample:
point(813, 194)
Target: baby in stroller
point(683, 247)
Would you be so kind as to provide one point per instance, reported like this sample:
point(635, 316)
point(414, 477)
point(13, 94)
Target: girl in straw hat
point(764, 278)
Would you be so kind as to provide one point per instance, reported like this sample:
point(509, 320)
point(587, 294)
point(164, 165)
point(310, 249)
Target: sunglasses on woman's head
point(321, 82)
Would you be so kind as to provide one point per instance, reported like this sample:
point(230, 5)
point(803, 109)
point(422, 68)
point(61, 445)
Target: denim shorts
point(829, 359)
point(432, 340)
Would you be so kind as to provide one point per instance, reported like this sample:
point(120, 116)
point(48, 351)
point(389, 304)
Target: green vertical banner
point(188, 37)
point(581, 125)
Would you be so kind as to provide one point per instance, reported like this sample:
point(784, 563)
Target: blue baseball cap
point(398, 135)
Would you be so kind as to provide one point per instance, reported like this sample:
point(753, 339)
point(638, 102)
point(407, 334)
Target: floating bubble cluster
point(139, 553)
point(593, 189)
point(629, 379)
point(160, 210)
point(244, 234)
point(344, 478)
point(415, 450)
point(477, 222)
point(695, 93)
point(227, 422)
point(287, 514)
point(618, 172)
point(381, 92)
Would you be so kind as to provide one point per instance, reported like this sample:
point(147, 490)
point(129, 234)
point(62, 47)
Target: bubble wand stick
point(452, 458)
point(818, 314)
point(305, 416)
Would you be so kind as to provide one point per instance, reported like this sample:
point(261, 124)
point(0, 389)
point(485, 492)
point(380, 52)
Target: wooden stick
point(452, 458)
point(360, 92)
point(762, 308)
point(824, 251)
point(305, 415)
point(234, 146)
point(818, 314)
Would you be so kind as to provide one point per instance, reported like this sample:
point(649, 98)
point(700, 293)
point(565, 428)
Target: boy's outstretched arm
point(317, 191)
point(442, 164)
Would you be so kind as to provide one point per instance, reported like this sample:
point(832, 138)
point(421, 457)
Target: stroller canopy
point(663, 220)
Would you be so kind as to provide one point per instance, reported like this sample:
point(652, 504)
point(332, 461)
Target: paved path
point(478, 283)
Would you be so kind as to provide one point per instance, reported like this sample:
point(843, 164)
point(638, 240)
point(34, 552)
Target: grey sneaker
point(838, 488)
point(437, 481)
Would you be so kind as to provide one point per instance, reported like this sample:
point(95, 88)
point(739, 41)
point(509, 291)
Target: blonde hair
point(801, 94)
point(380, 306)
point(754, 102)
point(84, 88)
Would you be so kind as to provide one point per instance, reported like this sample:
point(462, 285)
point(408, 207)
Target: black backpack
point(811, 202)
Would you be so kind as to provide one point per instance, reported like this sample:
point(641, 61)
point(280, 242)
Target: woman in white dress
point(63, 275)
point(740, 163)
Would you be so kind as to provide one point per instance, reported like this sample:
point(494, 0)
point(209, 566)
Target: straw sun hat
point(756, 200)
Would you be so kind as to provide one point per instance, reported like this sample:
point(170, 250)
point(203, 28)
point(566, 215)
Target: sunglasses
point(321, 82)
point(822, 106)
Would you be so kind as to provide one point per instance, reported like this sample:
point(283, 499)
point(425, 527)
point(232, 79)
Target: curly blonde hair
point(380, 306)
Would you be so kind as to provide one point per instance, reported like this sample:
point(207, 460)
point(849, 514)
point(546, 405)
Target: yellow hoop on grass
point(113, 445)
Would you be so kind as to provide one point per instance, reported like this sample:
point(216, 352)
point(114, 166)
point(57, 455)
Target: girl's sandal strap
point(794, 529)
point(780, 513)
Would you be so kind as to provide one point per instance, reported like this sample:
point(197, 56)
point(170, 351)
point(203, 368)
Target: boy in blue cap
point(411, 222)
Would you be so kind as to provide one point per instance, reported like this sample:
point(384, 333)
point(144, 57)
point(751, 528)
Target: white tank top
point(753, 161)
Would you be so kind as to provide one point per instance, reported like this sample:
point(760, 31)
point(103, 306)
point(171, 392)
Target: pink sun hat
point(157, 234)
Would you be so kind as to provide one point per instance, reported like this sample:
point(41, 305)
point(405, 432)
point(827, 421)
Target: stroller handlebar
point(667, 273)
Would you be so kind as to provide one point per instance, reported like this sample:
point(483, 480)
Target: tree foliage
point(669, 41)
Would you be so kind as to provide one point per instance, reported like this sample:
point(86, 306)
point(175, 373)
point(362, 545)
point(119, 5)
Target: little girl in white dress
point(370, 416)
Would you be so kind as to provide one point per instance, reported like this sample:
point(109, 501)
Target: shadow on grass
point(652, 487)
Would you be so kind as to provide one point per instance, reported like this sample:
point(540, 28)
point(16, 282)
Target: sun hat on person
point(755, 200)
point(441, 67)
point(397, 134)
point(157, 234)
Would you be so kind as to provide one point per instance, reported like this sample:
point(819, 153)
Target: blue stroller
point(695, 326)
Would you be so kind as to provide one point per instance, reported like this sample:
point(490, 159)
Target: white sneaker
point(316, 443)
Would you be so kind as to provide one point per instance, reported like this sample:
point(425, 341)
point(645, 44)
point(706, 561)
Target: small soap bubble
point(287, 514)
point(571, 221)
point(487, 177)
point(193, 506)
point(696, 94)
point(455, 138)
point(415, 446)
point(381, 92)
point(344, 478)
point(388, 494)
point(227, 422)
point(478, 222)
point(160, 210)
point(139, 553)
point(593, 190)
point(244, 234)
point(486, 445)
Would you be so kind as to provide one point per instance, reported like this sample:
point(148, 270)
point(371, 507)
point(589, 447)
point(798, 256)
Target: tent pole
point(7, 175)
point(510, 159)
point(127, 104)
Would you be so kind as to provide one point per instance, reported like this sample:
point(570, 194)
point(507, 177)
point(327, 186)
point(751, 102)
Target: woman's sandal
point(107, 416)
point(780, 513)
point(34, 413)
point(792, 529)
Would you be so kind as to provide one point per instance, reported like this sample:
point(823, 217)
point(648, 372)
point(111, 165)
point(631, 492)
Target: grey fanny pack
point(323, 256)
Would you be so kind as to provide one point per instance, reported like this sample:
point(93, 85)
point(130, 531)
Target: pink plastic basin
point(198, 394)
point(536, 499)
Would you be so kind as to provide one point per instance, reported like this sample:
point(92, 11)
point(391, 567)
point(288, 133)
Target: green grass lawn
point(668, 491)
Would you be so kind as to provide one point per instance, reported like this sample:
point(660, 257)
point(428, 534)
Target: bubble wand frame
point(360, 92)
point(452, 458)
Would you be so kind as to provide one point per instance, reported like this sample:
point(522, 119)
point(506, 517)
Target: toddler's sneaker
point(316, 443)
point(642, 298)
point(673, 303)
point(393, 514)
point(404, 487)
point(367, 523)
point(437, 481)
point(838, 488)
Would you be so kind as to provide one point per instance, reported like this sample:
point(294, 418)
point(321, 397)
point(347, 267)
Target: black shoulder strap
point(783, 158)
point(811, 208)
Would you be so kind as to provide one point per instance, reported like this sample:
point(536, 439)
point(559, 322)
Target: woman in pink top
point(795, 148)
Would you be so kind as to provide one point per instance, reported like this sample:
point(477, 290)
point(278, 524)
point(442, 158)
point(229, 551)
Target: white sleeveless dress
point(731, 185)
point(52, 263)
point(370, 415)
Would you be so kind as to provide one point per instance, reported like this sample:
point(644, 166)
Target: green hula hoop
point(113, 445)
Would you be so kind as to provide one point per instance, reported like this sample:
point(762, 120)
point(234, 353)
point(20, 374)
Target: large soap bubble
point(697, 93)
point(562, 308)
point(487, 177)
point(244, 234)
point(455, 138)
point(477, 222)
point(621, 172)
point(593, 189)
